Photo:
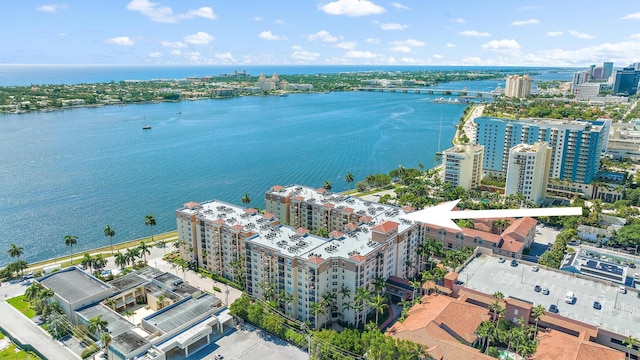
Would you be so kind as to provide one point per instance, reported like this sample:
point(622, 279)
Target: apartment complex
point(527, 171)
point(518, 86)
point(275, 255)
point(576, 145)
point(463, 165)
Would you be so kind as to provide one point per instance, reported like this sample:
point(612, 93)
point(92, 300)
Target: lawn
point(22, 305)
point(11, 352)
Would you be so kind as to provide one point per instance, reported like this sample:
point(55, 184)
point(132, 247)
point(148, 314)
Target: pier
point(431, 91)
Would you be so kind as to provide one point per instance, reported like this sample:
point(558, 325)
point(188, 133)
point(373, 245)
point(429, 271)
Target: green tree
point(348, 179)
point(246, 200)
point(378, 303)
point(132, 254)
point(240, 307)
point(98, 325)
point(630, 342)
point(87, 262)
point(327, 185)
point(536, 313)
point(120, 260)
point(315, 309)
point(70, 240)
point(150, 221)
point(144, 250)
point(105, 338)
point(15, 251)
point(110, 233)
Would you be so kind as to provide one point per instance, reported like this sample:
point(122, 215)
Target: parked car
point(553, 308)
point(218, 357)
point(514, 263)
point(501, 260)
point(597, 305)
point(545, 291)
point(535, 268)
point(537, 288)
point(622, 289)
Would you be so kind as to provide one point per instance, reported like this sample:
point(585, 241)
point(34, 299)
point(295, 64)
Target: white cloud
point(373, 41)
point(199, 38)
point(438, 56)
point(635, 36)
point(471, 60)
point(408, 60)
point(225, 57)
point(525, 22)
point(155, 55)
point(503, 44)
point(257, 18)
point(624, 52)
point(51, 8)
point(400, 6)
point(193, 55)
point(450, 45)
point(409, 42)
point(347, 45)
point(173, 44)
point(158, 13)
point(278, 22)
point(121, 41)
point(459, 20)
point(268, 35)
point(323, 36)
point(401, 48)
point(301, 55)
point(392, 26)
point(362, 55)
point(554, 33)
point(175, 52)
point(635, 16)
point(581, 35)
point(351, 8)
point(527, 8)
point(474, 33)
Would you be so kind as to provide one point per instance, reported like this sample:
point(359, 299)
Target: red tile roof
point(315, 259)
point(336, 234)
point(191, 204)
point(268, 215)
point(351, 226)
point(357, 257)
point(219, 221)
point(519, 229)
point(365, 219)
point(277, 188)
point(511, 244)
point(555, 345)
point(321, 190)
point(385, 227)
point(250, 210)
point(408, 208)
point(302, 231)
point(329, 205)
point(237, 227)
point(347, 209)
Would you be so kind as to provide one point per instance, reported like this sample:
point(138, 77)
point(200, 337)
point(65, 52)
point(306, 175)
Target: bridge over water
point(431, 91)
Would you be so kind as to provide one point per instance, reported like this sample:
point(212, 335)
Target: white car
point(534, 269)
point(623, 290)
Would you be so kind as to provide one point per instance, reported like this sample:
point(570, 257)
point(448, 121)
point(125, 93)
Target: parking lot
point(249, 344)
point(620, 312)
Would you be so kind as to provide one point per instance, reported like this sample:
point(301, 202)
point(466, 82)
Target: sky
point(321, 32)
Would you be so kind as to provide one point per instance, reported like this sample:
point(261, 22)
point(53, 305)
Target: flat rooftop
point(620, 313)
point(129, 281)
point(179, 314)
point(74, 285)
point(117, 324)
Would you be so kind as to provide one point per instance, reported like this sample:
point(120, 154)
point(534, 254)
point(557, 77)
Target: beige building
point(528, 171)
point(518, 86)
point(463, 165)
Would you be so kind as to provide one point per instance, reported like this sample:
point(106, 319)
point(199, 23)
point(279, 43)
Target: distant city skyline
point(325, 32)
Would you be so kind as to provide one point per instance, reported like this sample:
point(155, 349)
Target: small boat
point(284, 94)
point(178, 112)
point(146, 126)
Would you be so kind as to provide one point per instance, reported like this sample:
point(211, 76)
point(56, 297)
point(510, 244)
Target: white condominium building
point(528, 171)
point(463, 165)
point(518, 86)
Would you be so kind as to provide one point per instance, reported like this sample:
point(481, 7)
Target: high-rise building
point(580, 77)
point(576, 145)
point(597, 73)
point(626, 81)
point(518, 86)
point(608, 69)
point(463, 165)
point(528, 171)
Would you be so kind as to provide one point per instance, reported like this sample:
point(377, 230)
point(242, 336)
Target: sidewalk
point(25, 331)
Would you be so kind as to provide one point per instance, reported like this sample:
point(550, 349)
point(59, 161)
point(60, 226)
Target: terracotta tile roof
point(463, 319)
point(520, 228)
point(237, 227)
point(408, 208)
point(511, 244)
point(555, 345)
point(191, 204)
point(351, 226)
point(302, 231)
point(219, 222)
point(315, 259)
point(519, 303)
point(365, 219)
point(385, 227)
point(485, 236)
point(347, 209)
point(321, 190)
point(250, 210)
point(336, 234)
point(268, 215)
point(277, 188)
point(357, 257)
point(329, 205)
point(299, 197)
point(482, 227)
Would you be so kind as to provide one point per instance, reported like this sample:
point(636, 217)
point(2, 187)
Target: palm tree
point(161, 300)
point(361, 299)
point(315, 309)
point(630, 342)
point(496, 309)
point(327, 185)
point(378, 303)
point(70, 240)
point(108, 231)
point(415, 285)
point(99, 262)
point(536, 312)
point(132, 254)
point(328, 299)
point(97, 324)
point(379, 284)
point(33, 291)
point(87, 261)
point(348, 179)
point(15, 251)
point(129, 314)
point(150, 221)
point(120, 260)
point(484, 331)
point(246, 200)
point(345, 292)
point(143, 250)
point(105, 338)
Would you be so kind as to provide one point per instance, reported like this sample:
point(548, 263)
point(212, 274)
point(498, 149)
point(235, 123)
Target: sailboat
point(146, 126)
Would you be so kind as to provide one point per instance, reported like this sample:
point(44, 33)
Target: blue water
point(13, 75)
point(74, 171)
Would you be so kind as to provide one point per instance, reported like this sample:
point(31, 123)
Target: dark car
point(553, 308)
point(537, 288)
point(597, 305)
point(514, 263)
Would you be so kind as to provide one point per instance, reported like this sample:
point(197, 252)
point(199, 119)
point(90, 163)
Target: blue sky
point(279, 32)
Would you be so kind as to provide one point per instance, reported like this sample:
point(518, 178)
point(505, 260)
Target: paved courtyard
point(620, 312)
